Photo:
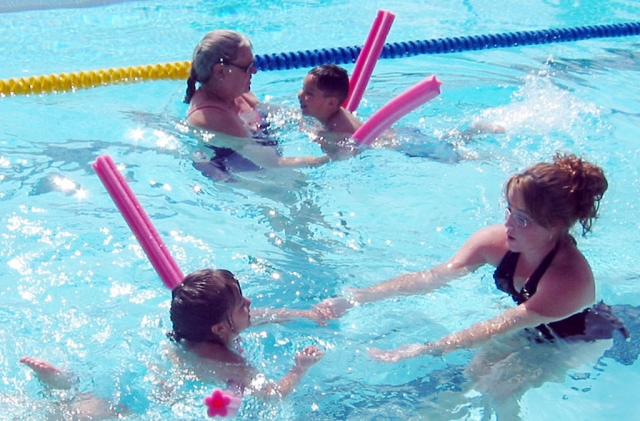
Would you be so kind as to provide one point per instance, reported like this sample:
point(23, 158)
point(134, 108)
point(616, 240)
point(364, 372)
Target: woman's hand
point(338, 146)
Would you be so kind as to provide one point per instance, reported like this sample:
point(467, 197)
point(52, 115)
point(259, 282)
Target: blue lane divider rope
point(343, 55)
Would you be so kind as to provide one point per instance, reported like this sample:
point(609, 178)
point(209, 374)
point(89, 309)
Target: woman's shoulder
point(204, 110)
point(567, 286)
point(492, 236)
point(570, 263)
point(487, 245)
point(200, 104)
point(218, 119)
point(489, 242)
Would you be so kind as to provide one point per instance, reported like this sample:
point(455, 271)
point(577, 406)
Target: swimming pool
point(76, 288)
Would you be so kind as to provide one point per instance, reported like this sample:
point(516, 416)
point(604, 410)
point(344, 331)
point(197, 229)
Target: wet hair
point(332, 80)
point(561, 193)
point(203, 299)
point(216, 47)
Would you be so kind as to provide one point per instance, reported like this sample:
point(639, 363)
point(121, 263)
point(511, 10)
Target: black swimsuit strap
point(531, 285)
point(597, 322)
point(503, 275)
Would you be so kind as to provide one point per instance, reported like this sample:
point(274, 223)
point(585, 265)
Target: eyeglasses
point(519, 219)
point(245, 69)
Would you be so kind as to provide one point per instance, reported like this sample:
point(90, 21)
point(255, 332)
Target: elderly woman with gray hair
point(220, 101)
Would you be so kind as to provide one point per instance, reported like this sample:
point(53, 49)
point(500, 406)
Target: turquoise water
point(77, 289)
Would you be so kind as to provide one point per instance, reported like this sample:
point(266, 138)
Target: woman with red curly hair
point(537, 263)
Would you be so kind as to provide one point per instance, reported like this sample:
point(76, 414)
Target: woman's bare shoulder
point(566, 287)
point(490, 242)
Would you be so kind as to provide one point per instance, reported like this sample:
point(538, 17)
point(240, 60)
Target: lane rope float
point(62, 82)
point(447, 45)
point(303, 59)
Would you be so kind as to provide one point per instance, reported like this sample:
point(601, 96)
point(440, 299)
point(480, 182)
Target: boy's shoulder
point(343, 122)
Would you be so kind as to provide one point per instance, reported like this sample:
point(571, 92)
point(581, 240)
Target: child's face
point(241, 315)
point(313, 101)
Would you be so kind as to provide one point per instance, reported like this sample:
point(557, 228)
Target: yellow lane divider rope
point(63, 82)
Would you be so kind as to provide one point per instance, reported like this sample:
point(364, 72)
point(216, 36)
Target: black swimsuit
point(596, 322)
point(227, 161)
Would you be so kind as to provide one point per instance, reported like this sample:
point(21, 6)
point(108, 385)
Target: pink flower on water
point(222, 403)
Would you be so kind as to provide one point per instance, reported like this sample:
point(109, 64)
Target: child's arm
point(338, 146)
point(230, 367)
point(305, 359)
point(50, 375)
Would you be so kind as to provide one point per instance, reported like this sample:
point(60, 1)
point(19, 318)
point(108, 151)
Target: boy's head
point(324, 90)
point(332, 80)
point(205, 302)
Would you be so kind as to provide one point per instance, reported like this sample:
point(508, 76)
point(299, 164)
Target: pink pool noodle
point(367, 58)
point(413, 97)
point(138, 221)
point(362, 57)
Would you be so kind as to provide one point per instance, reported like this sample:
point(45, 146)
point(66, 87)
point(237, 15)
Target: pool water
point(78, 290)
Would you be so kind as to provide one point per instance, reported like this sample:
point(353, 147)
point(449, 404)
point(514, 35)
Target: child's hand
point(315, 315)
point(308, 357)
point(332, 308)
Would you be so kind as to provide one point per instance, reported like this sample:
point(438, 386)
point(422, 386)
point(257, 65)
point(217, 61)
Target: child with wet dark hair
point(208, 312)
point(324, 89)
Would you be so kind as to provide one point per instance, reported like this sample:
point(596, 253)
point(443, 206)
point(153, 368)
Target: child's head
point(208, 306)
point(324, 90)
point(332, 80)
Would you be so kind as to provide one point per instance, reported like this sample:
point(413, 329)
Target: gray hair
point(216, 47)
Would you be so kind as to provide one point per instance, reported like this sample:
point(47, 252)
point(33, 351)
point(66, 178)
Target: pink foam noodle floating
point(368, 58)
point(362, 57)
point(391, 112)
point(138, 221)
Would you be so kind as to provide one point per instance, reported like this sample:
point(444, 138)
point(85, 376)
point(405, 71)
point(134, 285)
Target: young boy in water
point(208, 312)
point(324, 89)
